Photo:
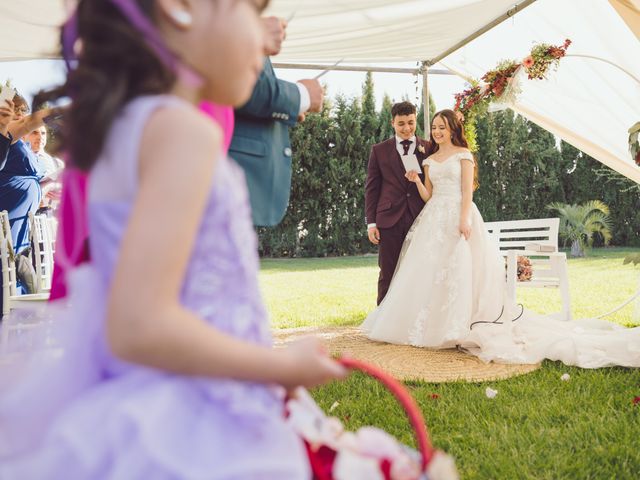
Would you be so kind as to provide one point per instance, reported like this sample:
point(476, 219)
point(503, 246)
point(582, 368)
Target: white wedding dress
point(444, 284)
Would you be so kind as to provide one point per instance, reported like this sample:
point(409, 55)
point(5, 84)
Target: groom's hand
point(374, 235)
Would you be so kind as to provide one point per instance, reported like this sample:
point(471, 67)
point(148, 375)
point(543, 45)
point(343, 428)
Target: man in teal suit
point(260, 142)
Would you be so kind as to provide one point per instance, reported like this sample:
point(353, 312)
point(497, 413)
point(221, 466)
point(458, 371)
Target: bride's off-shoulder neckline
point(466, 152)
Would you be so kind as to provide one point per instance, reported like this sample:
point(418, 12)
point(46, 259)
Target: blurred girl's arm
point(146, 323)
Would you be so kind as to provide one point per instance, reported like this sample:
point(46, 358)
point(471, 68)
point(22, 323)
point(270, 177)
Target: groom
point(391, 201)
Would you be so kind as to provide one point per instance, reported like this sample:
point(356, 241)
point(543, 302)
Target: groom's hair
point(402, 108)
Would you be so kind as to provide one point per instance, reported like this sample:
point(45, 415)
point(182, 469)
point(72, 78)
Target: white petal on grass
point(490, 392)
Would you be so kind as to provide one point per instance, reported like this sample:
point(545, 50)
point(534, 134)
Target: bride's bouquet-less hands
point(465, 229)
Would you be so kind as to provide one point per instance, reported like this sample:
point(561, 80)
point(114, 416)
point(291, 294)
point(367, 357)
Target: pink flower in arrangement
point(525, 269)
point(528, 62)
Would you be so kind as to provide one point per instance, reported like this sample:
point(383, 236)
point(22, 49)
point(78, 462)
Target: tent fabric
point(29, 29)
point(589, 102)
point(380, 31)
point(629, 10)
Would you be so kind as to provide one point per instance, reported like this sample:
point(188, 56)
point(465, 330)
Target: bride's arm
point(467, 195)
point(423, 189)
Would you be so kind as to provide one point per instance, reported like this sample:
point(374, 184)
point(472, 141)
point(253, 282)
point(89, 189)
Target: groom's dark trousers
point(391, 202)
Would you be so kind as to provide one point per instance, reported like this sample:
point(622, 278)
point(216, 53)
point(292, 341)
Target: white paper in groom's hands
point(410, 162)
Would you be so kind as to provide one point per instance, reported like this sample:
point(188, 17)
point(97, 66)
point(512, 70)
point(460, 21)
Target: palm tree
point(579, 223)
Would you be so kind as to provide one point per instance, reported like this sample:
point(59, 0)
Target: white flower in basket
point(369, 453)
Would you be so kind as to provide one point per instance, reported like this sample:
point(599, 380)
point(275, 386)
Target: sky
point(31, 76)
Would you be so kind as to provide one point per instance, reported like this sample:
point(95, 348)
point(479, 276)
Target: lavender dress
point(76, 412)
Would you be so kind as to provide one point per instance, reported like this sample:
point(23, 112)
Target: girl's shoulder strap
point(115, 175)
point(466, 155)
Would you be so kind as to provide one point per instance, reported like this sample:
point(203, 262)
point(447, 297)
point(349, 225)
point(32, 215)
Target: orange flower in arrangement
point(525, 269)
point(527, 62)
point(542, 58)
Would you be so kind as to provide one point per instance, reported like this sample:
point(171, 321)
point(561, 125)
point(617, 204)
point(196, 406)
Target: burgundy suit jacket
point(388, 194)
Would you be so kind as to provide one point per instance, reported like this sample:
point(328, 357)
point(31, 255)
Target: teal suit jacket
point(261, 145)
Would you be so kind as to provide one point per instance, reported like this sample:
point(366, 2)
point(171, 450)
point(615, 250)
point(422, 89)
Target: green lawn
point(538, 427)
point(341, 291)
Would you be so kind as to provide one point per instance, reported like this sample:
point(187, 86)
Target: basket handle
point(404, 398)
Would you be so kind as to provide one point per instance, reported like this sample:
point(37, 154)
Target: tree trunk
point(576, 249)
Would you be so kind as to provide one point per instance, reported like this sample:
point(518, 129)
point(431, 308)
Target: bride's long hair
point(457, 138)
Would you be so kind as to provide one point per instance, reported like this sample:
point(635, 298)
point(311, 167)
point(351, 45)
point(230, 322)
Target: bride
point(449, 287)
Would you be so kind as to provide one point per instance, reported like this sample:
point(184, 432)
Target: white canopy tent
point(594, 97)
point(589, 102)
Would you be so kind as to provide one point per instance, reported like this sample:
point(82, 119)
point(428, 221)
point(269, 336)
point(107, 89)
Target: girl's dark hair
point(115, 65)
point(457, 138)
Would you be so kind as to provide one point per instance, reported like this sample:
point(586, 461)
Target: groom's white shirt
point(400, 150)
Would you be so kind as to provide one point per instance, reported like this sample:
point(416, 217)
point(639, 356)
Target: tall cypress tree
point(385, 130)
point(543, 169)
point(369, 117)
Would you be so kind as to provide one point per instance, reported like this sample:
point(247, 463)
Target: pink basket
point(323, 451)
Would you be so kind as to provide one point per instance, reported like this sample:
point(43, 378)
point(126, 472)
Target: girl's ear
point(178, 13)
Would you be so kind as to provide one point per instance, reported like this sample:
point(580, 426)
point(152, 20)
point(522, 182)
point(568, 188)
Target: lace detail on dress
point(225, 256)
point(416, 334)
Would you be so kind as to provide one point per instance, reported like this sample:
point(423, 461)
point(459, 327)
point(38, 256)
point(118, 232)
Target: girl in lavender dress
point(163, 366)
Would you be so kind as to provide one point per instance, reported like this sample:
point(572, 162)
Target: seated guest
point(20, 175)
point(51, 168)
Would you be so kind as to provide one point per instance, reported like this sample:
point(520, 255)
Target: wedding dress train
point(448, 291)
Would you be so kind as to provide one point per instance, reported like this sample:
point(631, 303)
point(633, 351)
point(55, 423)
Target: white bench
point(549, 268)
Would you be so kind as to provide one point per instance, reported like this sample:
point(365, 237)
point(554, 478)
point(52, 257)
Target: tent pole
point(359, 68)
point(425, 98)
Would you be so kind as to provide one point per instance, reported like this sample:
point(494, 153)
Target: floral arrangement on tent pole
point(499, 84)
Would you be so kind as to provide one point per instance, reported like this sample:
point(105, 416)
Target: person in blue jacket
point(20, 173)
point(260, 142)
point(6, 115)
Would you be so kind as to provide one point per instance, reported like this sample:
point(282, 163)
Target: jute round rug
point(405, 362)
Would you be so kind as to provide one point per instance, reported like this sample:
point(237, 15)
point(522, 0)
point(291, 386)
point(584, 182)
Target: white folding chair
point(42, 244)
point(10, 298)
